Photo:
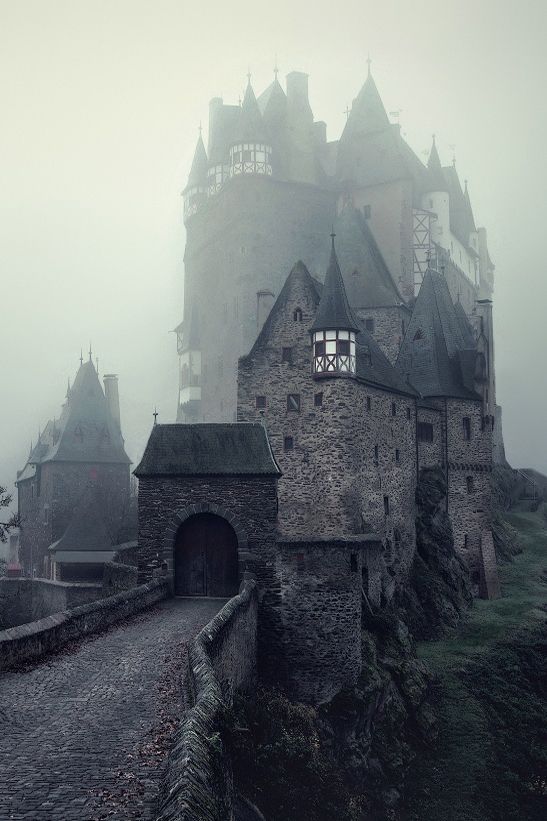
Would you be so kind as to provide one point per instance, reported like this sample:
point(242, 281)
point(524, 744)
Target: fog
point(100, 104)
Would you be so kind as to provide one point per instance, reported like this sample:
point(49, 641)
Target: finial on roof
point(466, 191)
point(90, 352)
point(200, 128)
point(276, 68)
point(155, 415)
point(68, 388)
point(81, 356)
point(347, 112)
point(97, 364)
point(369, 63)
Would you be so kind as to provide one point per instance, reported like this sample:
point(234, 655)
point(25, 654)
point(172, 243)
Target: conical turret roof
point(198, 171)
point(367, 112)
point(334, 312)
point(437, 178)
point(251, 125)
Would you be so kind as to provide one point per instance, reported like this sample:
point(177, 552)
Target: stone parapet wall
point(27, 600)
point(221, 662)
point(118, 577)
point(32, 640)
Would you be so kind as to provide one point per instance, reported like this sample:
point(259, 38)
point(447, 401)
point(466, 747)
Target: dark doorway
point(206, 557)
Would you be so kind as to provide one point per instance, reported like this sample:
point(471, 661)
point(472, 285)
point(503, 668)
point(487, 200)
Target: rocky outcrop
point(438, 591)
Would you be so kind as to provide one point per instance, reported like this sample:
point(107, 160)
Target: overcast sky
point(100, 104)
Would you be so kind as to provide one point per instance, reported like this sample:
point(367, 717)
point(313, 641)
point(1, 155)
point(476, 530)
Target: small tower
point(333, 331)
point(251, 151)
point(195, 192)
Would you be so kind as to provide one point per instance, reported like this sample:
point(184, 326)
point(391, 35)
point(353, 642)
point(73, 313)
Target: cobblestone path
point(83, 734)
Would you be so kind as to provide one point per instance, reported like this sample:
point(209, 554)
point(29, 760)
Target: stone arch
point(168, 544)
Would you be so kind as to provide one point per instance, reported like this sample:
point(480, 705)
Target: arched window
point(297, 316)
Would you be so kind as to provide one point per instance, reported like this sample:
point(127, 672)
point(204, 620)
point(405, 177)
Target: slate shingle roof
point(374, 367)
point(334, 311)
point(430, 352)
point(368, 281)
point(216, 449)
point(465, 325)
point(198, 171)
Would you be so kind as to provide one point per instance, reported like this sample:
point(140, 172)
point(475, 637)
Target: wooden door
point(206, 557)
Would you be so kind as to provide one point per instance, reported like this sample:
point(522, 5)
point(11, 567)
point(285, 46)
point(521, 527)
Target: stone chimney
point(112, 397)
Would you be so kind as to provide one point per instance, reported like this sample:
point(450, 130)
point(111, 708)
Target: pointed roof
point(374, 368)
point(432, 348)
point(368, 281)
point(367, 112)
point(334, 311)
point(251, 125)
point(86, 530)
point(437, 179)
point(461, 221)
point(198, 171)
point(273, 102)
point(465, 325)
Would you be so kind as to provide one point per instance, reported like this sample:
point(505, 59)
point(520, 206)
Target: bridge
point(85, 732)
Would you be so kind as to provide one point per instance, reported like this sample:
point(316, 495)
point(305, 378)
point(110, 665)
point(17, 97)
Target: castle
point(73, 492)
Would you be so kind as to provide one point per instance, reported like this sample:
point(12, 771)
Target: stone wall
point(320, 610)
point(30, 641)
point(389, 327)
point(432, 453)
point(198, 783)
point(118, 577)
point(27, 600)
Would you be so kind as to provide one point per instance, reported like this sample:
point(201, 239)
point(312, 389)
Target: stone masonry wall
point(432, 453)
point(321, 616)
point(30, 641)
point(198, 783)
point(389, 327)
point(118, 577)
point(27, 600)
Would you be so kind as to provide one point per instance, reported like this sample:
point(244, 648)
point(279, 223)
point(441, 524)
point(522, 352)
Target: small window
point(369, 325)
point(297, 316)
point(386, 505)
point(375, 453)
point(408, 413)
point(261, 403)
point(318, 400)
point(353, 563)
point(393, 409)
point(369, 403)
point(418, 335)
point(287, 355)
point(46, 514)
point(425, 432)
point(397, 455)
point(470, 483)
point(366, 211)
point(288, 443)
point(466, 428)
point(397, 538)
point(293, 401)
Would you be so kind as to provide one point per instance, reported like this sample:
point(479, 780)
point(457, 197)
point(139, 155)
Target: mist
point(101, 102)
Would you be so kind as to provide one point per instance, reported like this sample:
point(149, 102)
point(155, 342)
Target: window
point(261, 403)
point(369, 403)
point(425, 432)
point(297, 316)
point(418, 335)
point(366, 211)
point(376, 453)
point(408, 413)
point(397, 538)
point(334, 351)
point(287, 355)
point(353, 563)
point(397, 455)
point(393, 409)
point(288, 443)
point(293, 401)
point(466, 428)
point(386, 505)
point(369, 325)
point(318, 400)
point(470, 484)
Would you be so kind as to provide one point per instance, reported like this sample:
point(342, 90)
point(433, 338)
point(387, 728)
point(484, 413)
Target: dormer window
point(418, 335)
point(297, 316)
point(334, 352)
point(250, 158)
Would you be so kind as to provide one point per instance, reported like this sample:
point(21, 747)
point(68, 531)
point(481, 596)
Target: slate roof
point(86, 531)
point(367, 112)
point(273, 102)
point(374, 367)
point(198, 171)
point(334, 311)
point(216, 449)
point(465, 325)
point(85, 431)
point(368, 281)
point(430, 352)
point(223, 133)
point(250, 126)
point(462, 222)
point(437, 177)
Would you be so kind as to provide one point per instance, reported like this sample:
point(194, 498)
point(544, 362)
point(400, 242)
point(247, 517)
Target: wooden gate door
point(206, 557)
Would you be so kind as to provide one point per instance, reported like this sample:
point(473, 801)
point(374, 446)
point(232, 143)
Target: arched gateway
point(206, 557)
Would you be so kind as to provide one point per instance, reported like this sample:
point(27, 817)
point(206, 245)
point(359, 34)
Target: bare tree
point(13, 521)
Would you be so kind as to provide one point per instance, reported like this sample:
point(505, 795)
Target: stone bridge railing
point(34, 639)
point(221, 662)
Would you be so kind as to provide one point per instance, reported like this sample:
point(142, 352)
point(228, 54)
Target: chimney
point(215, 111)
point(297, 87)
point(110, 381)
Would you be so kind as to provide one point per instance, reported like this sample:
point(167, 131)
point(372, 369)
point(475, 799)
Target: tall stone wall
point(432, 453)
point(198, 781)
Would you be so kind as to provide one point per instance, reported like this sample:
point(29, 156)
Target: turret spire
point(437, 179)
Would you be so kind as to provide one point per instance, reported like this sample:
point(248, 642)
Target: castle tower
point(334, 328)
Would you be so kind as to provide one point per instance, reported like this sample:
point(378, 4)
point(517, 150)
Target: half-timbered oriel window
point(250, 158)
point(334, 352)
